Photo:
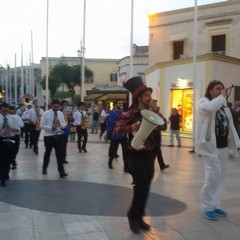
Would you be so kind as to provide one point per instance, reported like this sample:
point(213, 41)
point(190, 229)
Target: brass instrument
point(84, 124)
point(37, 126)
point(26, 99)
point(57, 126)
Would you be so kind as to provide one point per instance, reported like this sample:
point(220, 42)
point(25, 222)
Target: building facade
point(178, 72)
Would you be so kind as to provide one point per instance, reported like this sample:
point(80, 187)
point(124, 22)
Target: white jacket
point(205, 138)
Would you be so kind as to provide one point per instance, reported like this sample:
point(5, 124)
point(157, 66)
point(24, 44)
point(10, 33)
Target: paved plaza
point(92, 202)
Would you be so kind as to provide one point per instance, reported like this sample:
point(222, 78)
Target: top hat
point(136, 86)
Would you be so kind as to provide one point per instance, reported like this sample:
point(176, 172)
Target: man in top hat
point(140, 162)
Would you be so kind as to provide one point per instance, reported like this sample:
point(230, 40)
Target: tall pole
point(83, 54)
point(46, 67)
point(10, 85)
point(6, 83)
point(22, 80)
point(32, 70)
point(131, 50)
point(194, 71)
point(30, 75)
point(15, 81)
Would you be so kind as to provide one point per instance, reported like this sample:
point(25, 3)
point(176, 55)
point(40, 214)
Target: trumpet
point(230, 88)
point(228, 91)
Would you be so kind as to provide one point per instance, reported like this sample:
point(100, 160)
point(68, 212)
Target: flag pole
point(131, 51)
point(46, 67)
point(194, 72)
point(83, 54)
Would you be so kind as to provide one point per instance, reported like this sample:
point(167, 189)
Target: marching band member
point(52, 122)
point(35, 114)
point(7, 128)
point(15, 136)
point(81, 122)
point(27, 127)
point(66, 131)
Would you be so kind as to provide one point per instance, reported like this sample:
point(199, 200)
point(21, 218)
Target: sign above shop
point(182, 84)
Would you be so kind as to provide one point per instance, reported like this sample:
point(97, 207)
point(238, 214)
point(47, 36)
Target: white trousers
point(215, 176)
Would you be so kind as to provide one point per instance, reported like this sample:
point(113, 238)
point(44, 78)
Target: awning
point(112, 96)
point(106, 95)
point(93, 96)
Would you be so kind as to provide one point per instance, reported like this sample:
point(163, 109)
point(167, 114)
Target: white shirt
point(33, 115)
point(47, 122)
point(205, 138)
point(103, 115)
point(19, 123)
point(77, 116)
point(11, 121)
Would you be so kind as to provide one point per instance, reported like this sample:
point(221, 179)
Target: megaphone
point(150, 121)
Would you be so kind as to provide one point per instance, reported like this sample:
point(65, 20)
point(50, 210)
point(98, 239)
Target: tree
point(70, 76)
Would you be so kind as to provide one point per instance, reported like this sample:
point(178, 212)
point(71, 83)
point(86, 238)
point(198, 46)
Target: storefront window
point(182, 99)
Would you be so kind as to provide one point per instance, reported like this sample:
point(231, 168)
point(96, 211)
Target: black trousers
point(103, 128)
point(65, 142)
point(27, 131)
point(141, 164)
point(114, 147)
point(82, 132)
point(55, 142)
point(15, 148)
point(34, 137)
point(6, 150)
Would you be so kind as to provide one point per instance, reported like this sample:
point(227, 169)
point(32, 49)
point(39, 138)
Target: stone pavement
point(92, 202)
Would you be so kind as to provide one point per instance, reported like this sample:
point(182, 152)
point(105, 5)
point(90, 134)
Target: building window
point(178, 49)
point(219, 43)
point(113, 77)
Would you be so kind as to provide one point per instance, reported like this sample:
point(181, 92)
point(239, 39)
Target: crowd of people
point(217, 128)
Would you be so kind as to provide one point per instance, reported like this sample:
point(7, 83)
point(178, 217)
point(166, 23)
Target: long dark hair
point(210, 86)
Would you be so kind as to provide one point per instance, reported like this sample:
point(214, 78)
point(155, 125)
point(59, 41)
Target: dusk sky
point(107, 33)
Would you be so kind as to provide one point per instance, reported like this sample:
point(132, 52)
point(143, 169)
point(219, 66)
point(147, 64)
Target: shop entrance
point(182, 99)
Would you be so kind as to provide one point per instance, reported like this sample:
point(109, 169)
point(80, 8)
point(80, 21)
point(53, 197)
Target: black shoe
point(143, 225)
point(44, 171)
point(134, 225)
point(80, 151)
point(14, 167)
point(26, 146)
point(165, 166)
point(85, 150)
point(3, 183)
point(116, 156)
point(63, 175)
point(110, 165)
point(65, 161)
point(126, 170)
point(36, 151)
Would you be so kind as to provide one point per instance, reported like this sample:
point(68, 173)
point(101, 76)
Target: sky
point(107, 27)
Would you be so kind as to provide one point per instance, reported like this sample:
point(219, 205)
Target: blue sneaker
point(220, 212)
point(210, 215)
